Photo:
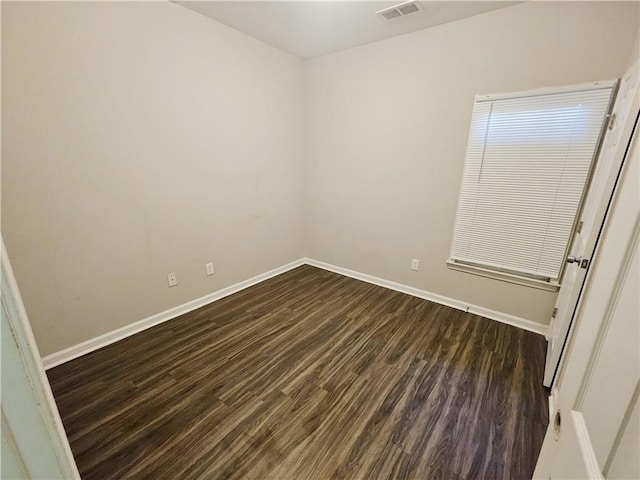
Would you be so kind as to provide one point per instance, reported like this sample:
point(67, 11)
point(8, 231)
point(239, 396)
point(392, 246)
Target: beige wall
point(387, 127)
point(140, 139)
point(635, 52)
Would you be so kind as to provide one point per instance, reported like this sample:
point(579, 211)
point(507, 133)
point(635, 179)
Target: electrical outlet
point(172, 279)
point(415, 264)
point(209, 267)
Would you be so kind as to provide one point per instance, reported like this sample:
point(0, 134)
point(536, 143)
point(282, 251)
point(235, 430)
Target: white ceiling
point(311, 28)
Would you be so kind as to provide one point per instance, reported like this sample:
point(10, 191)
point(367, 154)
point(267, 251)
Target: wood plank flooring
point(310, 375)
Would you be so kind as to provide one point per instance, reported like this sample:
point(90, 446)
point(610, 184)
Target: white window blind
point(528, 159)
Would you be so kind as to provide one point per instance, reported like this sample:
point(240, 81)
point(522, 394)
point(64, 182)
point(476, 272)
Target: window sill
point(505, 277)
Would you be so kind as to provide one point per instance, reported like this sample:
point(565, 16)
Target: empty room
point(310, 240)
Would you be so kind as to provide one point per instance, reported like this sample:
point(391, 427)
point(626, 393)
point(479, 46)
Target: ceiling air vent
point(399, 10)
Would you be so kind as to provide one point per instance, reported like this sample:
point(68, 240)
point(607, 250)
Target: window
point(529, 156)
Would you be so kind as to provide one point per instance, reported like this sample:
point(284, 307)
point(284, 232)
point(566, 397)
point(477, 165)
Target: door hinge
point(580, 225)
point(554, 313)
point(612, 120)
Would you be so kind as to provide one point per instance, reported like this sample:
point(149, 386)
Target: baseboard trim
point(96, 343)
point(434, 297)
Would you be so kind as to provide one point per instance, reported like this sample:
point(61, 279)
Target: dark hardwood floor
point(310, 375)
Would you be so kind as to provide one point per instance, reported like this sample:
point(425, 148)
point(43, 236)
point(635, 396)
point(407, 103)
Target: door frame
point(602, 209)
point(49, 433)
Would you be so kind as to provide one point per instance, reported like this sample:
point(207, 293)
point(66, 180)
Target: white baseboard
point(434, 297)
point(88, 346)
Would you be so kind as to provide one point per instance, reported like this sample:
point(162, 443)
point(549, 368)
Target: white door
point(594, 432)
point(34, 444)
point(592, 216)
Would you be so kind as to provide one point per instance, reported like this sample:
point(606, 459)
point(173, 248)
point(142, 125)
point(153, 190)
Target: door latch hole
point(557, 423)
